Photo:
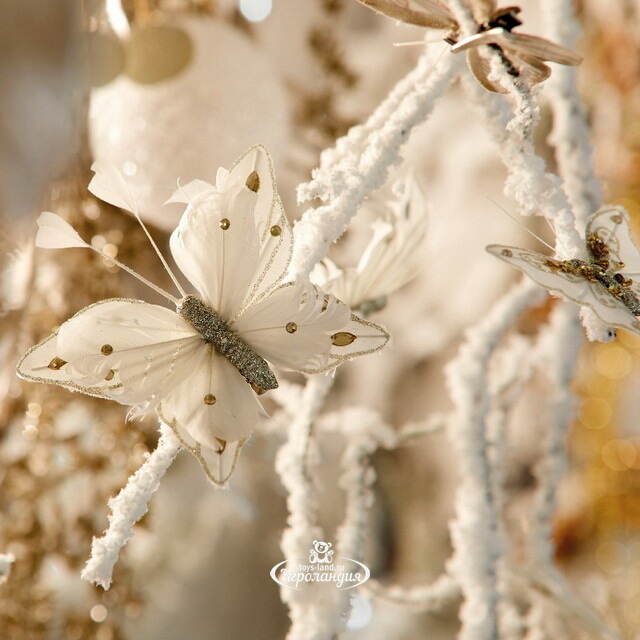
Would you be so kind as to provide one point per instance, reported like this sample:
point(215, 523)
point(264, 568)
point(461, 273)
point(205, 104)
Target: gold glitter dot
point(291, 327)
point(276, 230)
point(57, 363)
point(342, 338)
point(209, 399)
point(98, 613)
point(225, 224)
point(106, 349)
point(617, 218)
point(507, 253)
point(223, 445)
point(110, 375)
point(253, 181)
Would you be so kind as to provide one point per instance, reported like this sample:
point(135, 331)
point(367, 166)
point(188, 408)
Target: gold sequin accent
point(56, 364)
point(617, 218)
point(507, 253)
point(291, 327)
point(110, 375)
point(106, 349)
point(253, 181)
point(276, 230)
point(342, 338)
point(225, 224)
point(209, 399)
point(222, 443)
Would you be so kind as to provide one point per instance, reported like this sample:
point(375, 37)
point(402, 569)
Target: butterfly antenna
point(416, 43)
point(136, 275)
point(519, 223)
point(153, 244)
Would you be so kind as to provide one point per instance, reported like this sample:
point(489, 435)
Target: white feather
point(109, 185)
point(56, 233)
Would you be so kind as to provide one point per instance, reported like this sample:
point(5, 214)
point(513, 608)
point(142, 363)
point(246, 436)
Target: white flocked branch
point(128, 507)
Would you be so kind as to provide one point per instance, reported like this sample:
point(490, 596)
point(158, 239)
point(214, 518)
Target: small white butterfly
point(604, 282)
point(526, 54)
point(202, 366)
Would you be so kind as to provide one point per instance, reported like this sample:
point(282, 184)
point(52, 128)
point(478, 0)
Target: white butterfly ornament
point(203, 365)
point(604, 282)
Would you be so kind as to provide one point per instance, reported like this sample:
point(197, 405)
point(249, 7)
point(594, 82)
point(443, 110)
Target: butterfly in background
point(525, 55)
point(604, 282)
point(202, 365)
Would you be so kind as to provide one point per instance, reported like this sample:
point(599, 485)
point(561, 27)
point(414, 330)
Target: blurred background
point(176, 88)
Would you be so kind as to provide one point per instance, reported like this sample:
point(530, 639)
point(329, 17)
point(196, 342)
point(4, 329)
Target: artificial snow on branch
point(128, 507)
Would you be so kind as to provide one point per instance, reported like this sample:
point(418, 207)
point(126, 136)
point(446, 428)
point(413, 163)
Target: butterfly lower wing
point(612, 225)
point(530, 69)
point(213, 411)
point(127, 350)
point(611, 311)
point(480, 68)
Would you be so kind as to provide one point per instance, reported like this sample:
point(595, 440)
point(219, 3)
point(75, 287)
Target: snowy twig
point(319, 227)
point(432, 598)
point(291, 465)
point(6, 562)
point(128, 507)
point(477, 546)
point(570, 137)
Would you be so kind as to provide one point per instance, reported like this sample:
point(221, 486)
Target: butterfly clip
point(202, 365)
point(604, 282)
point(524, 54)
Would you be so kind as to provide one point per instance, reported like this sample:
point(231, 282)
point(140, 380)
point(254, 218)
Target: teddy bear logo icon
point(321, 552)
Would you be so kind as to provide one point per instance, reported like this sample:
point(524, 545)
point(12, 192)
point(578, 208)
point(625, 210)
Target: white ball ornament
point(227, 98)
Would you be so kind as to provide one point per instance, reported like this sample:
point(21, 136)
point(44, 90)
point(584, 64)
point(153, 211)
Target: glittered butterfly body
point(604, 282)
point(202, 366)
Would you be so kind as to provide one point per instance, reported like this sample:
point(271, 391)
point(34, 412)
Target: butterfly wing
point(274, 232)
point(299, 327)
point(483, 10)
point(480, 68)
point(127, 350)
point(422, 13)
point(233, 241)
point(537, 47)
point(612, 225)
point(539, 268)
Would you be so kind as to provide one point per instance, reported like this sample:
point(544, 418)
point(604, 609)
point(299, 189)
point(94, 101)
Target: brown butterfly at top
point(525, 55)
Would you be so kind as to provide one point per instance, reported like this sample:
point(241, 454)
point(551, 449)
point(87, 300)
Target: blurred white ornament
point(228, 98)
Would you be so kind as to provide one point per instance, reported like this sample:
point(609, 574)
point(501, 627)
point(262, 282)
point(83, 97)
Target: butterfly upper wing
point(296, 326)
point(127, 350)
point(611, 224)
point(537, 47)
point(483, 10)
point(216, 247)
point(275, 235)
point(422, 13)
point(233, 241)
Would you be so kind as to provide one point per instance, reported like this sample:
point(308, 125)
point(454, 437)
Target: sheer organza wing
point(127, 350)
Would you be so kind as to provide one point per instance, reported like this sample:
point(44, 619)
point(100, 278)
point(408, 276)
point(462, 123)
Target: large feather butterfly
point(524, 54)
point(203, 365)
point(604, 282)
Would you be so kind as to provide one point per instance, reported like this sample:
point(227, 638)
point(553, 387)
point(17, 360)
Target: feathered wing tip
point(218, 464)
point(109, 185)
point(56, 233)
point(422, 13)
point(186, 193)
